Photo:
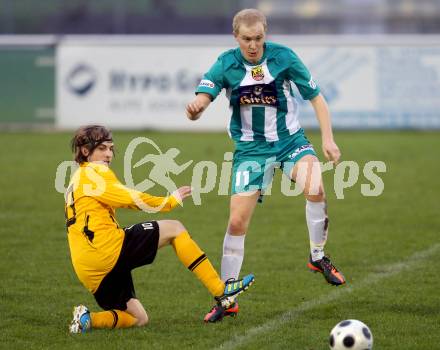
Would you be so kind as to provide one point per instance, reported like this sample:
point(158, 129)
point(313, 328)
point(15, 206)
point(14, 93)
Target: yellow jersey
point(95, 238)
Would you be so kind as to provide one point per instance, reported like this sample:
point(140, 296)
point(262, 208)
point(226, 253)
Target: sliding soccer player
point(104, 254)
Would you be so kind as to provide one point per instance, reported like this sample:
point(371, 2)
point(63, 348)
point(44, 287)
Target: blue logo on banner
point(81, 79)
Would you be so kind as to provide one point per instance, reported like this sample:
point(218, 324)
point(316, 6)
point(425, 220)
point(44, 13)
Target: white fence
point(145, 82)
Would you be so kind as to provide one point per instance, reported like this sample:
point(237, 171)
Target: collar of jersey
point(94, 165)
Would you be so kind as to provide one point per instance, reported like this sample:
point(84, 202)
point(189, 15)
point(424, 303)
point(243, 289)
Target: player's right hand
point(194, 110)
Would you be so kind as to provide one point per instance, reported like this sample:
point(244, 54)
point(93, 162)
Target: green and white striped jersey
point(261, 97)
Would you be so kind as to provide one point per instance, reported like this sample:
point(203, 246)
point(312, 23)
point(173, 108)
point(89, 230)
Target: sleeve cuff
point(314, 94)
point(208, 91)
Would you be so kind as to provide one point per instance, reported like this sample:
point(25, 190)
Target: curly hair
point(90, 137)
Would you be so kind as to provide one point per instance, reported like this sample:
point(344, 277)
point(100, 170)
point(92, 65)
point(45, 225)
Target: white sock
point(232, 259)
point(317, 223)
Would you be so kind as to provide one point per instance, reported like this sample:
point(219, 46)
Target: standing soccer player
point(103, 254)
point(264, 126)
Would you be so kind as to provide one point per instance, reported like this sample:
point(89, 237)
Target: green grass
point(367, 235)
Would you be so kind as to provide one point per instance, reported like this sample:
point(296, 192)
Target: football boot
point(328, 270)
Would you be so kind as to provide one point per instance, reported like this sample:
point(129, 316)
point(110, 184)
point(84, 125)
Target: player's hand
point(331, 151)
point(181, 193)
point(194, 110)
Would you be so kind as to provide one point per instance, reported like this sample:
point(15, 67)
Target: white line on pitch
point(292, 314)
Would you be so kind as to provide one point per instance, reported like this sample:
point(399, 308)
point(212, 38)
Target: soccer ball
point(351, 334)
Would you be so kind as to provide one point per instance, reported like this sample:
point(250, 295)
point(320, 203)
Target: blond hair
point(248, 17)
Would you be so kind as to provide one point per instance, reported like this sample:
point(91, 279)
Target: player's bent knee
point(171, 228)
point(168, 231)
point(178, 227)
point(142, 320)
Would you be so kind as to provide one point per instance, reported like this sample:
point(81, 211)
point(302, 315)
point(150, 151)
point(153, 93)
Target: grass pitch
point(388, 248)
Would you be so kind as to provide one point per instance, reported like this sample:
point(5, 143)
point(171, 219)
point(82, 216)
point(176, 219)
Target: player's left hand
point(331, 151)
point(181, 193)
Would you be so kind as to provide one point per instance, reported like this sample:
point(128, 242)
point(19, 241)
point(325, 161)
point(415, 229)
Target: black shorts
point(138, 249)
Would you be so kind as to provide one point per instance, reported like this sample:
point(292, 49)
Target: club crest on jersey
point(257, 73)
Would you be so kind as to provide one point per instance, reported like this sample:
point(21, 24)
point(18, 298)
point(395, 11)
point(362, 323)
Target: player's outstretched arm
point(329, 147)
point(195, 108)
point(182, 192)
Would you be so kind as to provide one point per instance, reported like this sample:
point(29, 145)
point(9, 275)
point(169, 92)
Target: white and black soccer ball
point(351, 334)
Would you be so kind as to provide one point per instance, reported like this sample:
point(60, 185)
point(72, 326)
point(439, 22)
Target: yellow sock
point(112, 319)
point(196, 261)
